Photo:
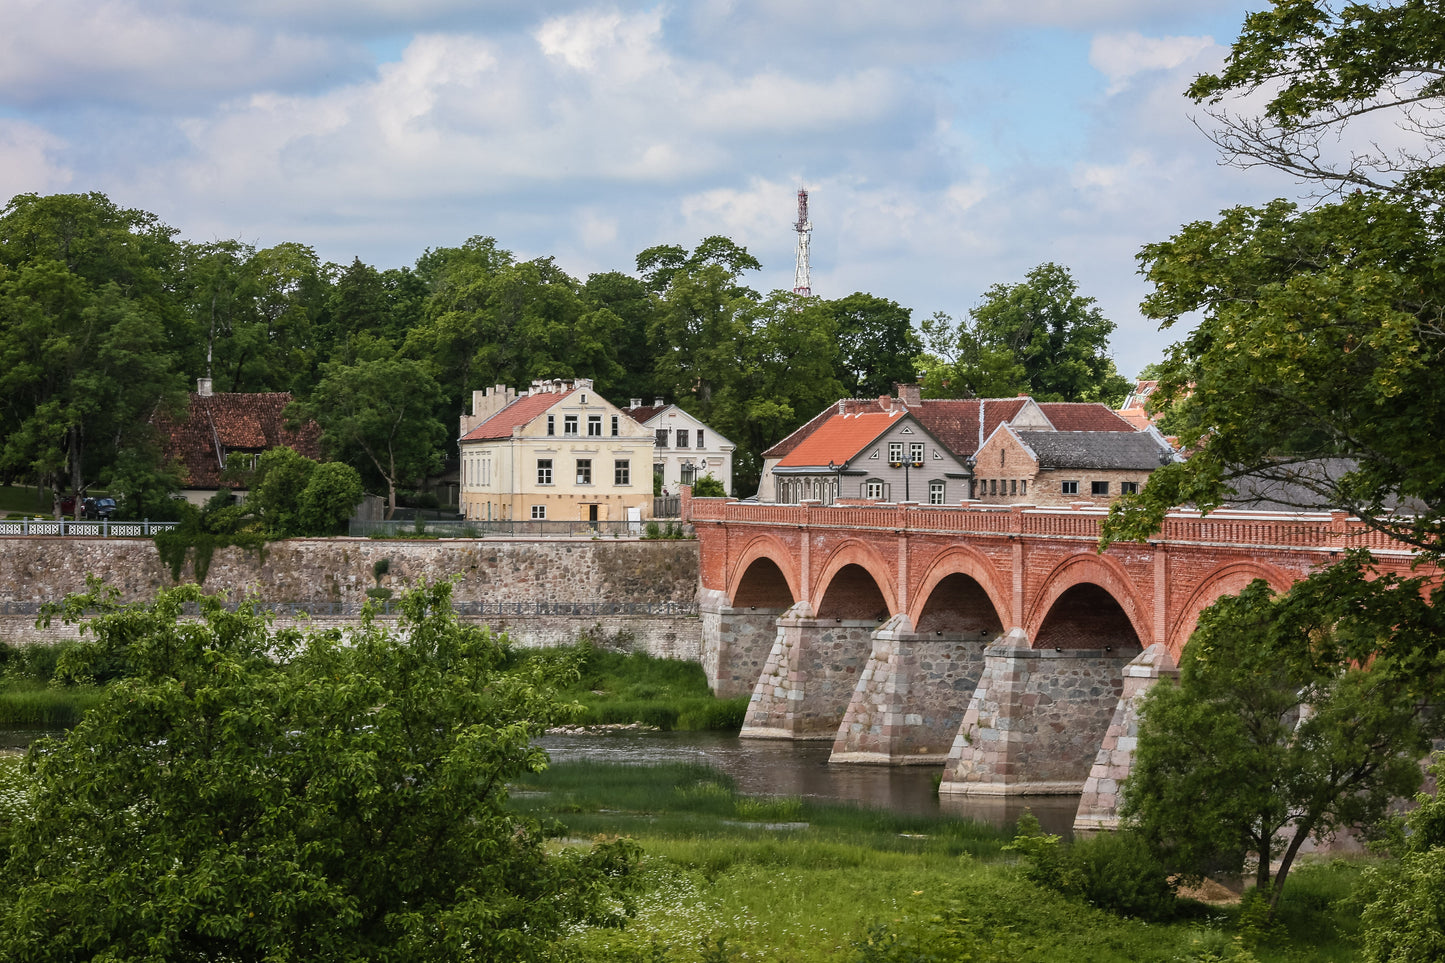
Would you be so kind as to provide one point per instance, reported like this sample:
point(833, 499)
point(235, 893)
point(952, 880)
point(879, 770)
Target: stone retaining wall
point(312, 571)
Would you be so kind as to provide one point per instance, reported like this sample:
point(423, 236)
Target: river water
point(765, 767)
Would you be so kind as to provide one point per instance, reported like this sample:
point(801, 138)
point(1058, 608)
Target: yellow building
point(557, 452)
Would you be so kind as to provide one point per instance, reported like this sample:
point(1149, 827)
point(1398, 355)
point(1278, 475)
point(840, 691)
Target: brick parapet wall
point(316, 571)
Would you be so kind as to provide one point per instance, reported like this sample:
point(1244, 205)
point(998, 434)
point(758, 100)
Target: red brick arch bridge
point(997, 641)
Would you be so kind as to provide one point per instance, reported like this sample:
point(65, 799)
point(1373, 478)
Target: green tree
point(1317, 355)
point(244, 794)
point(1404, 918)
point(878, 347)
point(1057, 336)
point(328, 500)
point(958, 365)
point(1295, 716)
point(380, 413)
point(88, 321)
point(1330, 74)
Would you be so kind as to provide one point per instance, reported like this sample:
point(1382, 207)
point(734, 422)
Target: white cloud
point(27, 160)
point(1121, 57)
point(120, 51)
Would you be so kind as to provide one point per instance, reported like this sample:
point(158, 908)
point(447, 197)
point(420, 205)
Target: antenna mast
point(802, 280)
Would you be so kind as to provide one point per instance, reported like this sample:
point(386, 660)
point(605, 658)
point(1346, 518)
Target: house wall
point(500, 477)
point(716, 452)
point(1046, 491)
point(1005, 462)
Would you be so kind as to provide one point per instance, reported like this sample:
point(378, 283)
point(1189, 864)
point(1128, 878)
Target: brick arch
point(1100, 570)
point(1228, 579)
point(960, 560)
point(764, 547)
point(854, 551)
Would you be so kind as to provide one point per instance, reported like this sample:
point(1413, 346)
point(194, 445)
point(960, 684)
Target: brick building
point(1064, 467)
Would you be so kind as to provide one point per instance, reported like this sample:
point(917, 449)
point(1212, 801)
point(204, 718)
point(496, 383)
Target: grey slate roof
point(1131, 450)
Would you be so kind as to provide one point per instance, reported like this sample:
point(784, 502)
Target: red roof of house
point(230, 421)
point(518, 413)
point(642, 414)
point(839, 439)
point(1083, 416)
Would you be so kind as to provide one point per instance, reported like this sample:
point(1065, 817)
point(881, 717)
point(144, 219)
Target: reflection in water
point(765, 767)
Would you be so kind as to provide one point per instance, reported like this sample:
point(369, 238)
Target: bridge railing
point(1331, 531)
point(104, 528)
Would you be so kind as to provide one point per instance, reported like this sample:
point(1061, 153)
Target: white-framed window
point(584, 471)
point(622, 472)
point(615, 425)
point(539, 512)
point(544, 471)
point(1099, 488)
point(569, 424)
point(895, 451)
point(594, 426)
point(699, 439)
point(551, 424)
point(1069, 488)
point(873, 489)
point(915, 453)
point(682, 434)
point(662, 437)
point(1128, 488)
point(935, 493)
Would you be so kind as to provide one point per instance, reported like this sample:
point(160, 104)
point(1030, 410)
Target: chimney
point(636, 403)
point(908, 394)
point(203, 387)
point(658, 402)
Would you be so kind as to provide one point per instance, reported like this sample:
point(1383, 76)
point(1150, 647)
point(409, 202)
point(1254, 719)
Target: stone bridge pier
point(1036, 719)
point(809, 678)
point(911, 696)
point(736, 642)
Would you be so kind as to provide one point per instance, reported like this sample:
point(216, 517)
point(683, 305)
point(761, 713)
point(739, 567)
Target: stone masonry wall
point(809, 677)
point(311, 571)
point(1036, 720)
point(910, 700)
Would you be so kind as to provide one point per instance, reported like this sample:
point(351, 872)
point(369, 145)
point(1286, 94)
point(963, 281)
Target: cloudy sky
point(947, 144)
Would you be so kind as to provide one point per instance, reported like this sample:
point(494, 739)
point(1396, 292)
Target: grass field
point(728, 877)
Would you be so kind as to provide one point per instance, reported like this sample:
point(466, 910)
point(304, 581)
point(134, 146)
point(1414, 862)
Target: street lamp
point(837, 471)
point(905, 465)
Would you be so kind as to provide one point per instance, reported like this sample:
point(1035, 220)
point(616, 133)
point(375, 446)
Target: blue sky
point(948, 144)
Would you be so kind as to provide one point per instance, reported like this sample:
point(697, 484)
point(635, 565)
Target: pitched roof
point(843, 406)
point(515, 414)
point(642, 414)
point(214, 424)
point(963, 424)
point(1131, 450)
point(1083, 416)
point(839, 439)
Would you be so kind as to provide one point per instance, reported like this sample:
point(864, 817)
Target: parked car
point(98, 508)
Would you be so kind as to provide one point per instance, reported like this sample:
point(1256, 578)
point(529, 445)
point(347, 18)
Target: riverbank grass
point(617, 687)
point(728, 877)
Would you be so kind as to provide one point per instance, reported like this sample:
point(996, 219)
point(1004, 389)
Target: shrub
point(1114, 871)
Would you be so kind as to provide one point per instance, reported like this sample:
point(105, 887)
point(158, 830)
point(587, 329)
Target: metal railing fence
point(517, 527)
point(104, 528)
point(464, 609)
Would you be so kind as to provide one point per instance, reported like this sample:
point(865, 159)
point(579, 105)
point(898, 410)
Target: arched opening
point(958, 605)
point(853, 594)
point(763, 586)
point(1086, 616)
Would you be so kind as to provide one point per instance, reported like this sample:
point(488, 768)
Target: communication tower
point(802, 280)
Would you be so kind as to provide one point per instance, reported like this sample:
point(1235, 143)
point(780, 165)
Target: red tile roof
point(642, 414)
point(956, 422)
point(518, 413)
point(233, 421)
point(839, 439)
point(1083, 416)
point(844, 406)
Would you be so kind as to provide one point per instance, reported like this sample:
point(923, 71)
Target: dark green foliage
point(616, 687)
point(708, 487)
point(1114, 871)
point(243, 794)
point(1276, 732)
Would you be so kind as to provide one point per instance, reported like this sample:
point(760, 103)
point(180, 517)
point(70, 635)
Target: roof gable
point(216, 424)
point(839, 439)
